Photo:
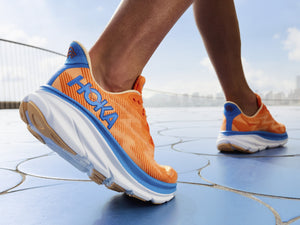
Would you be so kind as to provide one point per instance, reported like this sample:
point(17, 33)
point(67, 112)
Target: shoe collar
point(259, 104)
point(82, 56)
point(139, 84)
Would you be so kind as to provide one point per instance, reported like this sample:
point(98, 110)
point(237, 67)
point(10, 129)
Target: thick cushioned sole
point(56, 123)
point(246, 143)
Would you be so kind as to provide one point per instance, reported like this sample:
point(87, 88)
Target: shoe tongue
point(139, 84)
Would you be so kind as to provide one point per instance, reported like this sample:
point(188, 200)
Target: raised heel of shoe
point(33, 117)
point(68, 131)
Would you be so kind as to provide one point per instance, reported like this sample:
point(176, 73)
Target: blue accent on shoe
point(76, 59)
point(107, 113)
point(76, 55)
point(61, 70)
point(230, 111)
point(135, 171)
point(262, 134)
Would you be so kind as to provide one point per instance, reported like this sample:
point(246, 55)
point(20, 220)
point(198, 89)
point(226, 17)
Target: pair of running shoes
point(106, 135)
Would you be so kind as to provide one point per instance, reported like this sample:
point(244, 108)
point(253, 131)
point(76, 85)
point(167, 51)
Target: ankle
point(246, 101)
point(109, 78)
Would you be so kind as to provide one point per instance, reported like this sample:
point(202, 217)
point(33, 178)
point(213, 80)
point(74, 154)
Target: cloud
point(276, 36)
point(263, 81)
point(292, 44)
point(260, 80)
point(14, 33)
point(201, 79)
point(99, 8)
point(26, 21)
point(205, 62)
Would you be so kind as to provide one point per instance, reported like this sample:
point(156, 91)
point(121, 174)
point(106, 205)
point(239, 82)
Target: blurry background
point(178, 74)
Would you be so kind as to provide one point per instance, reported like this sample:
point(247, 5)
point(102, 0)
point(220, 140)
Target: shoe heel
point(33, 117)
point(100, 179)
point(103, 166)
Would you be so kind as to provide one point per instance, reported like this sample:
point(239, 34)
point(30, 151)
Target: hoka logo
point(71, 53)
point(94, 98)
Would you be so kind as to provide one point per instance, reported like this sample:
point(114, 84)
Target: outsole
point(250, 145)
point(230, 148)
point(34, 118)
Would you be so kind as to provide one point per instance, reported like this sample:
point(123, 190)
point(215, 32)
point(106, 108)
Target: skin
point(138, 27)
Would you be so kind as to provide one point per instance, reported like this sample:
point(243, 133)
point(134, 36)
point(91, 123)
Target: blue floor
point(38, 187)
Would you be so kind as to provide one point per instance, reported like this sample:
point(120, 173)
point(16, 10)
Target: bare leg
point(218, 25)
point(131, 37)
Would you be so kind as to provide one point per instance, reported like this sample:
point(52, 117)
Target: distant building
point(294, 96)
point(298, 82)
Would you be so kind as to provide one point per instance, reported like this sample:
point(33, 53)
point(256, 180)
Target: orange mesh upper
point(131, 129)
point(261, 121)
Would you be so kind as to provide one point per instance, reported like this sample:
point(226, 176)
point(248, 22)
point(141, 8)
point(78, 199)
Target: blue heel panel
point(76, 59)
point(230, 111)
point(76, 55)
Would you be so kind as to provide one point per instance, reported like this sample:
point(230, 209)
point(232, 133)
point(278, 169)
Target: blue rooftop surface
point(38, 187)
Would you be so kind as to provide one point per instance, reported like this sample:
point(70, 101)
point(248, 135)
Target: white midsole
point(78, 132)
point(252, 143)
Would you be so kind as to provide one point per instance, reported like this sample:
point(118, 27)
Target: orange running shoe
point(103, 134)
point(250, 133)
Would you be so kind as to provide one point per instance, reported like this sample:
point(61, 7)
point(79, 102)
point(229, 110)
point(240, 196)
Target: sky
point(270, 34)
